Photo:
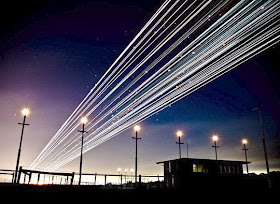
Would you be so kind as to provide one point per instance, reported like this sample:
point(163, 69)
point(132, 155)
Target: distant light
point(84, 120)
point(244, 141)
point(25, 112)
point(215, 138)
point(131, 170)
point(179, 133)
point(125, 170)
point(119, 169)
point(137, 128)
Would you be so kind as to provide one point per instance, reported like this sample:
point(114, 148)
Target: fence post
point(140, 180)
point(30, 175)
point(95, 178)
point(19, 174)
point(38, 179)
point(72, 178)
point(24, 178)
point(13, 177)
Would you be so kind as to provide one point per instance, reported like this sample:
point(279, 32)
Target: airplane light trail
point(183, 47)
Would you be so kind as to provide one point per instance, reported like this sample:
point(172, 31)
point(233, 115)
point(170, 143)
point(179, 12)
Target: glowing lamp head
point(125, 170)
point(179, 133)
point(25, 112)
point(215, 138)
point(84, 120)
point(137, 128)
point(119, 169)
point(131, 170)
point(244, 141)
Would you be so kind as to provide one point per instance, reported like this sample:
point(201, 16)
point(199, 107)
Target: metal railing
point(61, 178)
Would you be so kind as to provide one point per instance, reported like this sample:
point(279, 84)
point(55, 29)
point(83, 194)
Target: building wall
point(181, 172)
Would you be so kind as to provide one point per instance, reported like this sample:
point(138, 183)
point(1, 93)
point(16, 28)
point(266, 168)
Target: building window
point(225, 169)
point(194, 168)
point(169, 168)
point(229, 170)
point(237, 170)
point(197, 168)
point(233, 170)
point(221, 169)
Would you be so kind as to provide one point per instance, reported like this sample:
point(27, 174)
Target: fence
point(58, 178)
point(6, 175)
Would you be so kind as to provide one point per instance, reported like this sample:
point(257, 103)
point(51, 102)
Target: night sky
point(53, 52)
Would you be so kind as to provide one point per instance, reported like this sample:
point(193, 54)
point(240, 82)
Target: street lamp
point(119, 171)
point(263, 140)
point(125, 171)
point(245, 142)
point(131, 172)
point(179, 135)
point(25, 112)
point(83, 121)
point(136, 129)
point(215, 138)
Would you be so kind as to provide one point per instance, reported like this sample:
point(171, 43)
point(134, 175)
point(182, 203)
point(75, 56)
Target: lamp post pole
point(131, 172)
point(263, 139)
point(119, 171)
point(215, 139)
point(25, 113)
point(137, 129)
point(187, 150)
point(84, 121)
point(264, 143)
point(125, 171)
point(244, 141)
point(179, 135)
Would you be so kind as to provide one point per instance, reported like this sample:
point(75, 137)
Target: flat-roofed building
point(187, 171)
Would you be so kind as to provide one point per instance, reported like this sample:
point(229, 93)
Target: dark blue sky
point(53, 52)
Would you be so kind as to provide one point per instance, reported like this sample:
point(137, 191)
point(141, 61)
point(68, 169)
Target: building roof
point(207, 160)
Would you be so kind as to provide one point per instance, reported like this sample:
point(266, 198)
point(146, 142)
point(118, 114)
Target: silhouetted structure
point(25, 113)
point(29, 173)
point(136, 138)
point(188, 171)
point(84, 121)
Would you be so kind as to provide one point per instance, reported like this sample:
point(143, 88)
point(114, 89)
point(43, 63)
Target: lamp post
point(125, 171)
point(179, 135)
point(83, 121)
point(119, 171)
point(187, 150)
point(136, 129)
point(131, 172)
point(245, 142)
point(25, 112)
point(215, 138)
point(263, 139)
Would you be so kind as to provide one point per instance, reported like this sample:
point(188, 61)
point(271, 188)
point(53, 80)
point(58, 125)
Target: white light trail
point(183, 47)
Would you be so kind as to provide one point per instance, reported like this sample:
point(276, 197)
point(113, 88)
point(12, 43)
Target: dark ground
point(93, 194)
